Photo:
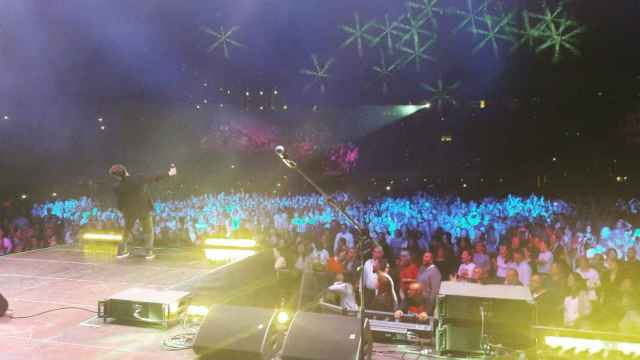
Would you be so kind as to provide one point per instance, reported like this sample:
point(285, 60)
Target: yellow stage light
point(103, 237)
point(283, 317)
point(197, 310)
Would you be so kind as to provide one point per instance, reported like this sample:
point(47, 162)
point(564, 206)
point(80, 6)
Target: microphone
point(282, 154)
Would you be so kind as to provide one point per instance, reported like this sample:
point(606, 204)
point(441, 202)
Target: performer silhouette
point(135, 205)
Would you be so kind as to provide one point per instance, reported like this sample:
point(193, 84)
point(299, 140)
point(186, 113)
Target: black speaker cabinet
point(326, 337)
point(237, 333)
point(458, 339)
point(506, 312)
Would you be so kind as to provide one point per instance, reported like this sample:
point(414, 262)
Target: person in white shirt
point(503, 262)
point(347, 296)
point(370, 276)
point(465, 271)
point(343, 234)
point(523, 268)
point(576, 304)
point(320, 254)
point(545, 257)
point(590, 275)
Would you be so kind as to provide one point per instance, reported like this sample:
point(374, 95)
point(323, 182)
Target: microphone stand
point(362, 233)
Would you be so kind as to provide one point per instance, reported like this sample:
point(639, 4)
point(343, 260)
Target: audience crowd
point(582, 271)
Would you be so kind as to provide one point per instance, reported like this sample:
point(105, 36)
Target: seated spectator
point(632, 265)
point(345, 290)
point(612, 253)
point(480, 257)
point(545, 257)
point(465, 271)
point(302, 258)
point(503, 263)
point(445, 262)
point(597, 263)
point(577, 303)
point(319, 256)
point(479, 276)
point(370, 275)
point(346, 235)
point(590, 275)
point(350, 261)
point(385, 298)
point(548, 304)
point(512, 278)
point(50, 237)
point(397, 243)
point(413, 303)
point(408, 272)
point(429, 278)
point(611, 283)
point(629, 321)
point(524, 270)
point(6, 245)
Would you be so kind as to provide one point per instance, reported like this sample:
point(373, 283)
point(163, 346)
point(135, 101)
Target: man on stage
point(135, 204)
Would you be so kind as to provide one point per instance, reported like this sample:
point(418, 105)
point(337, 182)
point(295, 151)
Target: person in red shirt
point(408, 272)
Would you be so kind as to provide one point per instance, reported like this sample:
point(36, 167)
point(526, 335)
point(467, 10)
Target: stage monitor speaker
point(4, 305)
point(326, 337)
point(236, 333)
point(458, 339)
point(508, 312)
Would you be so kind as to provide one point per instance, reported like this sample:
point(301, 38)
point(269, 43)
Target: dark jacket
point(132, 197)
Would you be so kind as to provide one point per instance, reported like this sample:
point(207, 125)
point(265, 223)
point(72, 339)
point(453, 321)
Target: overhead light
point(23, 196)
point(6, 117)
point(54, 194)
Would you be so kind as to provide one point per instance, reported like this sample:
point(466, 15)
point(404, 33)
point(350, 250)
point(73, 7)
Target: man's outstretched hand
point(172, 170)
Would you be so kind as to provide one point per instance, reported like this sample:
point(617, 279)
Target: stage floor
point(45, 279)
point(62, 276)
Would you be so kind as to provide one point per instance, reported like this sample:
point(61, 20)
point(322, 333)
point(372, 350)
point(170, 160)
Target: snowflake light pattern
point(416, 52)
point(358, 33)
point(427, 10)
point(558, 33)
point(441, 93)
point(385, 71)
point(319, 73)
point(223, 39)
point(471, 16)
point(492, 30)
point(388, 29)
